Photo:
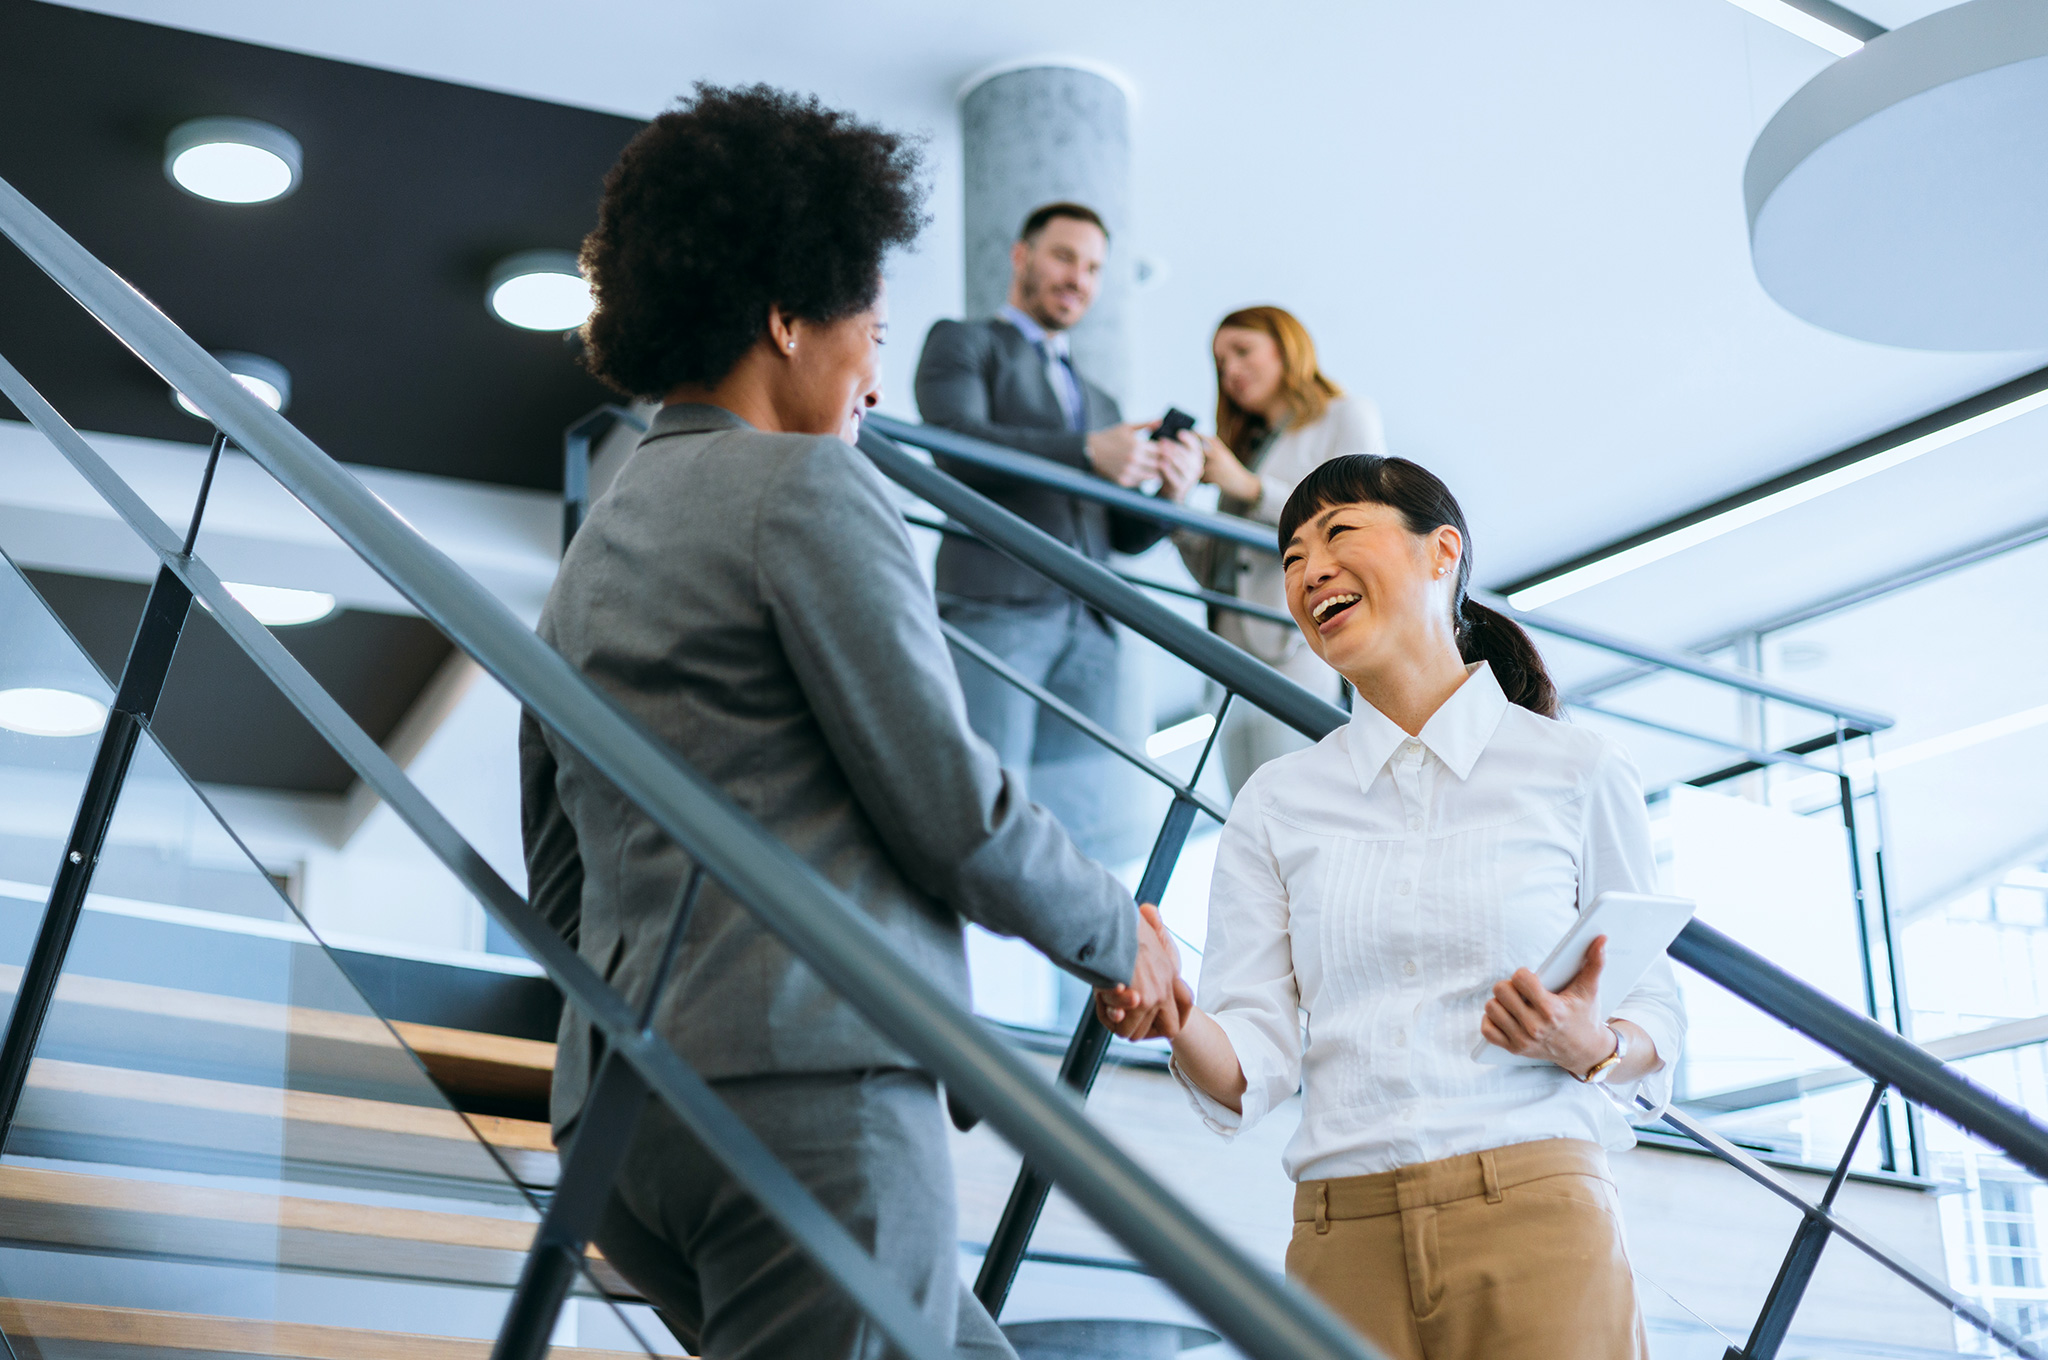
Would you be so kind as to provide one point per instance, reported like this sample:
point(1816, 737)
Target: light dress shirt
point(1381, 885)
point(1059, 367)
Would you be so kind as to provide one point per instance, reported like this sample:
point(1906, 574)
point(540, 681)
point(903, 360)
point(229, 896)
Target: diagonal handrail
point(1921, 1279)
point(1891, 1058)
point(1102, 589)
point(1247, 533)
point(1260, 1313)
point(1027, 467)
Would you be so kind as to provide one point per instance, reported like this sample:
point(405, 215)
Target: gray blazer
point(983, 378)
point(754, 600)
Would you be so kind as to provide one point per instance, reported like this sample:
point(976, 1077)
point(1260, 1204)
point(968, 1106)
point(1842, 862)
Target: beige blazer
point(1349, 425)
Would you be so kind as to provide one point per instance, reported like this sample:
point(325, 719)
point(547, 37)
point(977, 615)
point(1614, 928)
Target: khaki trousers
point(1512, 1254)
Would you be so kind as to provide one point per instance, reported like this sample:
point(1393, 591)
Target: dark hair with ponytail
point(1426, 505)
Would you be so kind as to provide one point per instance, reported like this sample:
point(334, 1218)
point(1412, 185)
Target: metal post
point(142, 683)
point(577, 442)
point(135, 699)
point(1789, 1289)
point(604, 1130)
point(1916, 1140)
point(1083, 1060)
point(1888, 1156)
point(575, 478)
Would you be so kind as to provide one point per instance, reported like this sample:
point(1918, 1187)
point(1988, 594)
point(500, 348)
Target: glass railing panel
point(53, 705)
point(1812, 1128)
point(221, 1140)
point(1980, 958)
point(1781, 884)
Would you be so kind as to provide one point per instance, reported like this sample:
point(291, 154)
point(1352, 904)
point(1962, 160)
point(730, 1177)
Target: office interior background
point(1521, 229)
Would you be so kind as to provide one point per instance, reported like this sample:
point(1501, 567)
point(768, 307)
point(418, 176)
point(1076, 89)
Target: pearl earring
point(792, 344)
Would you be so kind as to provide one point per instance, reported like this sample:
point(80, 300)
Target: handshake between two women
point(1156, 1002)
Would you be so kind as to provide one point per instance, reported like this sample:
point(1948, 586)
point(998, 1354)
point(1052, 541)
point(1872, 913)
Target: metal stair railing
point(1893, 1063)
point(1244, 533)
point(1261, 1314)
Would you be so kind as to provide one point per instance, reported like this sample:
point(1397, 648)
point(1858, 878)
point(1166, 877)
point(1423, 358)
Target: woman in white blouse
point(1396, 883)
point(1277, 417)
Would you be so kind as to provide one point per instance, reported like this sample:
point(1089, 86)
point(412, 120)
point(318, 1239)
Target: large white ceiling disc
point(1902, 195)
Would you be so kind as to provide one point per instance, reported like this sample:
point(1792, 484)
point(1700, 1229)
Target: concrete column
point(1031, 134)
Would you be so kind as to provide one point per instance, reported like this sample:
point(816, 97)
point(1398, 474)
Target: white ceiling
point(1519, 227)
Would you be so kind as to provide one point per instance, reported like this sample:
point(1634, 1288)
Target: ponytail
point(1426, 505)
point(1491, 636)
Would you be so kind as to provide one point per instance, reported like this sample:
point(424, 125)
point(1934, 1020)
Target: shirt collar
point(1028, 327)
point(689, 417)
point(1456, 733)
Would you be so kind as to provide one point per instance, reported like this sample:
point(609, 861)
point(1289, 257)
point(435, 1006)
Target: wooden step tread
point(130, 1217)
point(91, 1327)
point(104, 1011)
point(200, 1112)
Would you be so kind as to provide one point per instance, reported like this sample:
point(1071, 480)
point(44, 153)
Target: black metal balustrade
point(1263, 1316)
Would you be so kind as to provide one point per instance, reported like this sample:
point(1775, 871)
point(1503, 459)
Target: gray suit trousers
point(732, 1286)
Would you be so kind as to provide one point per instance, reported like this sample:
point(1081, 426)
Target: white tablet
point(1638, 927)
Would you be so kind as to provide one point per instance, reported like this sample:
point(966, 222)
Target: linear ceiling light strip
point(1839, 30)
point(1970, 416)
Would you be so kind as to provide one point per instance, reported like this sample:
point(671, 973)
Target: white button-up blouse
point(1379, 886)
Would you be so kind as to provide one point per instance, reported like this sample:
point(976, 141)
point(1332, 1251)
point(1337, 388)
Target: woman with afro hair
point(747, 590)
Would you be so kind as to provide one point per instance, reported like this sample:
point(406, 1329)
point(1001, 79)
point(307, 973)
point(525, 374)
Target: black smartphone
point(1172, 423)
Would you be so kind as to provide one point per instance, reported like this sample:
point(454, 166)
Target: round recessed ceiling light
point(281, 606)
point(539, 290)
point(50, 712)
point(267, 379)
point(232, 160)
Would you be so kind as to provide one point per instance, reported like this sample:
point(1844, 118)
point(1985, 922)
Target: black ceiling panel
point(220, 718)
point(367, 283)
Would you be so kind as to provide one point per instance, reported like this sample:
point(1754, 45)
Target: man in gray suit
point(1009, 380)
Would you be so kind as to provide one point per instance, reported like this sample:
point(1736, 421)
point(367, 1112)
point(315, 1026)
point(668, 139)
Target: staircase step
point(102, 1014)
point(307, 1126)
point(158, 1219)
point(73, 1331)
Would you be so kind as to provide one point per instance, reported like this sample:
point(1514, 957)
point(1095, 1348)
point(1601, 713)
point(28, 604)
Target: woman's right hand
point(1221, 468)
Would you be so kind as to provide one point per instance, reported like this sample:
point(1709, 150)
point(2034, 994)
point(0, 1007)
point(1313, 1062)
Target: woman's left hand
point(1221, 468)
point(1562, 1027)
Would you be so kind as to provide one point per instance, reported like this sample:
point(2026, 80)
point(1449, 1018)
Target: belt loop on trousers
point(1489, 1175)
point(1323, 1207)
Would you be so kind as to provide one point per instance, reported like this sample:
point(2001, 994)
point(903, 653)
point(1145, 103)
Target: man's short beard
point(1032, 287)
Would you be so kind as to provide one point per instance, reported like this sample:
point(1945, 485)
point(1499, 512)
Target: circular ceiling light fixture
point(281, 606)
point(50, 712)
point(539, 290)
point(232, 160)
point(1899, 196)
point(267, 380)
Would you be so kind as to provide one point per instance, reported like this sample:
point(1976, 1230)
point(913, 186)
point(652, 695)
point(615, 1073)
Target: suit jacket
point(754, 599)
point(983, 378)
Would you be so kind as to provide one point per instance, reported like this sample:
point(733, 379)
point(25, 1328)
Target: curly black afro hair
point(735, 200)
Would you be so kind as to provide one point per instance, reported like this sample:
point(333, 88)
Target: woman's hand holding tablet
point(1558, 1012)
